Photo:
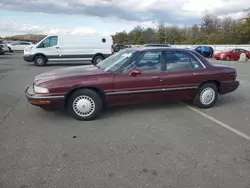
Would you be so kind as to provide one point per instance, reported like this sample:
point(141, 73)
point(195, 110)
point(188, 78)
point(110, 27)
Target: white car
point(4, 46)
point(60, 48)
point(19, 45)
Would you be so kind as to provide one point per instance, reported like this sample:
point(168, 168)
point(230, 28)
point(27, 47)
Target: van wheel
point(40, 60)
point(84, 104)
point(206, 96)
point(97, 59)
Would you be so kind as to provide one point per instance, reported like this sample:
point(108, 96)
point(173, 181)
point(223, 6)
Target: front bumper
point(28, 58)
point(228, 86)
point(42, 100)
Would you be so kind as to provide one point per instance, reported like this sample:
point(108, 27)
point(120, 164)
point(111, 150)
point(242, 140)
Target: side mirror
point(135, 72)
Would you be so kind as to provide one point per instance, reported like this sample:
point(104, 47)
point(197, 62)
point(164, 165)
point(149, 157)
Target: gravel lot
point(145, 146)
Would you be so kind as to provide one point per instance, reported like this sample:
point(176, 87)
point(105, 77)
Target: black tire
point(97, 59)
point(40, 60)
point(91, 97)
point(10, 49)
point(199, 100)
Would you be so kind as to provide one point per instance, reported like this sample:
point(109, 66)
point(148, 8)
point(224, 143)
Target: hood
point(84, 70)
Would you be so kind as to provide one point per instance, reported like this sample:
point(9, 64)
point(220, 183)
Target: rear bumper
point(28, 58)
point(50, 102)
point(6, 49)
point(228, 86)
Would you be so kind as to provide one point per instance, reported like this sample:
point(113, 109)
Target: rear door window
point(181, 61)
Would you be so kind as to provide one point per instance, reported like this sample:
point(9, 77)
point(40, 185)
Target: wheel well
point(97, 90)
point(217, 83)
point(40, 55)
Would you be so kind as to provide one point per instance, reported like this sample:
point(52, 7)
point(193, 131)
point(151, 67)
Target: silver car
point(4, 46)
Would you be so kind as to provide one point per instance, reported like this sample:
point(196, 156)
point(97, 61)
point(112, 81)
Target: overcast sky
point(107, 16)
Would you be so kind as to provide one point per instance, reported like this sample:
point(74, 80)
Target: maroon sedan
point(231, 54)
point(133, 75)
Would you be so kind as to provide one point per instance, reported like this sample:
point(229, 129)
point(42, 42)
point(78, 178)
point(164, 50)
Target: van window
point(48, 42)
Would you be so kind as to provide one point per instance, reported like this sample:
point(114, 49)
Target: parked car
point(118, 47)
point(157, 45)
point(69, 47)
point(1, 50)
point(206, 51)
point(232, 54)
point(3, 46)
point(133, 75)
point(18, 46)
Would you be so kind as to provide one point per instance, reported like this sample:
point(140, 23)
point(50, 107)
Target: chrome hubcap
point(84, 106)
point(207, 96)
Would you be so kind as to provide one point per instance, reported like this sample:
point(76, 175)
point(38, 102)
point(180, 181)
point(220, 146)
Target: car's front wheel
point(206, 96)
point(84, 104)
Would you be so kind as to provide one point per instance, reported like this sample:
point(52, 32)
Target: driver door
point(145, 86)
point(50, 47)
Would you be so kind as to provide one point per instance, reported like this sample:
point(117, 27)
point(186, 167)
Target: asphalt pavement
point(144, 146)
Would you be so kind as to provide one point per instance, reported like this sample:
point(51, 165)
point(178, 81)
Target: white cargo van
point(93, 48)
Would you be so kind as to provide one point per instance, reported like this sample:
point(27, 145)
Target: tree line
point(212, 30)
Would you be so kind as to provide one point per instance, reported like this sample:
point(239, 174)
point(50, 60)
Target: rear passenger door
point(183, 74)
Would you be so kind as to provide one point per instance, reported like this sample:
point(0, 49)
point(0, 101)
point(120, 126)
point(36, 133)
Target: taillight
point(112, 48)
point(235, 75)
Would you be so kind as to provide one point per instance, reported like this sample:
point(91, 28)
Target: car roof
point(157, 48)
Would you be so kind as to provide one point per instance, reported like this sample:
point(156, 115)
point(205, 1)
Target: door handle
point(155, 77)
point(57, 47)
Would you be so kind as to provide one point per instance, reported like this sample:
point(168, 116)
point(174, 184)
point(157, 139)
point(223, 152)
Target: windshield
point(227, 50)
point(115, 61)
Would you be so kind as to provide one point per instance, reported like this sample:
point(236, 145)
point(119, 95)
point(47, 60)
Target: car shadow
point(224, 100)
point(110, 112)
point(128, 110)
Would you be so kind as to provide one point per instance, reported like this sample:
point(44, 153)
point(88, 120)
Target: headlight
point(28, 49)
point(38, 89)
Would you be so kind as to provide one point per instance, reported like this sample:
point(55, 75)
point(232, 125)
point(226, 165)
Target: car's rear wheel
point(97, 59)
point(40, 60)
point(206, 96)
point(10, 49)
point(84, 104)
